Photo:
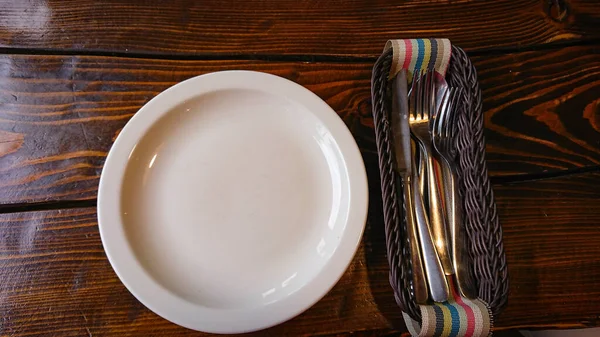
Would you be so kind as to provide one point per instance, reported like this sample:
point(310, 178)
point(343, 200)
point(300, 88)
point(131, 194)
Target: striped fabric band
point(420, 54)
point(458, 317)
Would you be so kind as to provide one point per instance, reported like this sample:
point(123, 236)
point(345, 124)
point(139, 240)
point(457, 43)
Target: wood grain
point(542, 109)
point(552, 241)
point(296, 27)
point(59, 115)
point(55, 279)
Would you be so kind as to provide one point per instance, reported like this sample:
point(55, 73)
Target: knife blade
point(401, 136)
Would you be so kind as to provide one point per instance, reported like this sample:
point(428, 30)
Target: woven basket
point(481, 220)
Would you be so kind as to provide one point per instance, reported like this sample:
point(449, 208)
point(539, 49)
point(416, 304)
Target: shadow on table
point(375, 250)
point(360, 124)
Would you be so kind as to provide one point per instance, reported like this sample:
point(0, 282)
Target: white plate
point(232, 202)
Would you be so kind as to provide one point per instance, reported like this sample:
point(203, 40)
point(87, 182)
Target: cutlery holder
point(481, 220)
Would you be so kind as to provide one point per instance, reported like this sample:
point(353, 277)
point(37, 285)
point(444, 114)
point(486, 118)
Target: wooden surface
point(55, 276)
point(552, 241)
point(286, 27)
point(60, 114)
point(72, 73)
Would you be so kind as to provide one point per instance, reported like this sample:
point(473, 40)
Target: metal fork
point(438, 287)
point(421, 104)
point(444, 141)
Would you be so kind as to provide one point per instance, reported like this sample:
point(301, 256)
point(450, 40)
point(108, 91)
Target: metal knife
point(401, 137)
point(417, 221)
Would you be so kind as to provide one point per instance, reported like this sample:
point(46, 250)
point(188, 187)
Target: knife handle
point(418, 273)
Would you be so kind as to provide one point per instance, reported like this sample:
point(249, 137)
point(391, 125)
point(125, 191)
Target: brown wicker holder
point(481, 220)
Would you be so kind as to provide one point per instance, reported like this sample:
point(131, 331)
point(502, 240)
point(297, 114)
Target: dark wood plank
point(59, 115)
point(542, 109)
point(355, 27)
point(552, 241)
point(55, 279)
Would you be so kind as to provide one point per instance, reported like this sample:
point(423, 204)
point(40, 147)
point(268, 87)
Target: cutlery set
point(425, 149)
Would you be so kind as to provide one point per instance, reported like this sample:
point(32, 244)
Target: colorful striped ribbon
point(420, 54)
point(459, 316)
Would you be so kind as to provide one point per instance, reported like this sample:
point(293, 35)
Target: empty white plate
point(232, 201)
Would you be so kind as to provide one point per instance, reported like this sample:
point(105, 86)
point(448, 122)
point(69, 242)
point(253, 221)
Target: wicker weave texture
point(480, 216)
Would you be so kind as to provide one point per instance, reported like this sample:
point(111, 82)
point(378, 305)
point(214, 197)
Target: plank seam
point(521, 178)
point(496, 181)
point(277, 57)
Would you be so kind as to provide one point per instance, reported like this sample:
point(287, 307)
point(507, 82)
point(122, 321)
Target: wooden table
point(72, 73)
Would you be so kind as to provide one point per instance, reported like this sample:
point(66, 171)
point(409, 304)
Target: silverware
point(434, 271)
point(402, 147)
point(444, 141)
point(422, 106)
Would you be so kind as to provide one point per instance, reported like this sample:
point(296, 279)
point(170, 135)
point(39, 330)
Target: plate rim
point(151, 293)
